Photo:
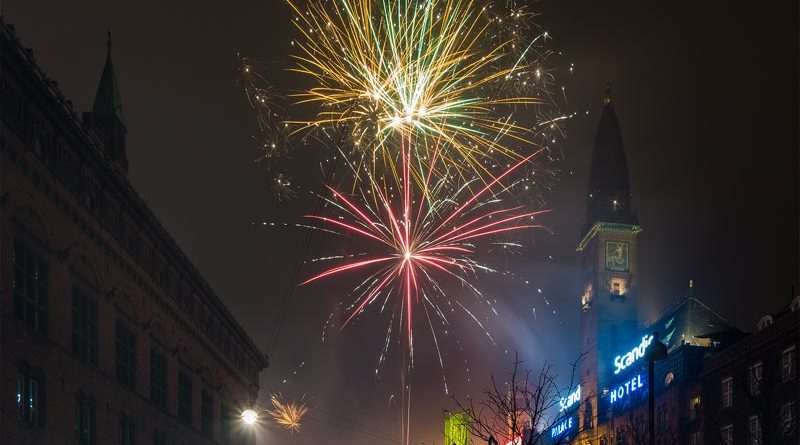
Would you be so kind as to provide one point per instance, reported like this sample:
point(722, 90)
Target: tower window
point(617, 286)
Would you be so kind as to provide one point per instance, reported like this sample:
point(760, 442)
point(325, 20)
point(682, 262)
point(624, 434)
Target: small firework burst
point(287, 414)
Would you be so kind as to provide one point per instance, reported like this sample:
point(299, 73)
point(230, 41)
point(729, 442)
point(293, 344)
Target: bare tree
point(523, 410)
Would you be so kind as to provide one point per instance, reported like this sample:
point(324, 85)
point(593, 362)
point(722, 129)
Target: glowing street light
point(249, 417)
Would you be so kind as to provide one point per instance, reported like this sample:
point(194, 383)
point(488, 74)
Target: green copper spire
point(107, 101)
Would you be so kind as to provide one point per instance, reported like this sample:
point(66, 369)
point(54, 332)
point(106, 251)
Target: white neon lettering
point(571, 399)
point(623, 361)
point(624, 389)
point(561, 427)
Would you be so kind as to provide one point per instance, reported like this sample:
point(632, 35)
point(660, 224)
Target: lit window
point(726, 435)
point(754, 429)
point(29, 397)
point(756, 377)
point(694, 408)
point(618, 286)
point(669, 378)
point(727, 392)
point(788, 369)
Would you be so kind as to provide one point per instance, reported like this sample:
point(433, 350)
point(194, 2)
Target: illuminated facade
point(696, 384)
point(456, 428)
point(608, 257)
point(108, 333)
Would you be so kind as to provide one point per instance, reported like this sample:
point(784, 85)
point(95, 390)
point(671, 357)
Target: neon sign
point(623, 361)
point(626, 388)
point(573, 398)
point(562, 427)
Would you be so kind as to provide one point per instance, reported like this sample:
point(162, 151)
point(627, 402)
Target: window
point(621, 436)
point(127, 431)
point(29, 286)
point(662, 419)
point(29, 397)
point(587, 415)
point(726, 435)
point(84, 326)
point(226, 423)
point(158, 379)
point(788, 370)
point(756, 375)
point(159, 438)
point(84, 420)
point(695, 407)
point(206, 414)
point(788, 418)
point(126, 356)
point(617, 286)
point(727, 392)
point(754, 429)
point(184, 397)
point(696, 438)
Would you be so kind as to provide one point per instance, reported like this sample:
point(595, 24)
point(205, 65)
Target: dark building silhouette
point(752, 388)
point(108, 334)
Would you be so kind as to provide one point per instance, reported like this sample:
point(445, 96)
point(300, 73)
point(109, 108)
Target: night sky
point(707, 98)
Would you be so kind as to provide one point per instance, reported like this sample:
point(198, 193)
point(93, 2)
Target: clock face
point(617, 258)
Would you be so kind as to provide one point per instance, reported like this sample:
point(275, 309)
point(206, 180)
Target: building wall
point(63, 201)
point(766, 347)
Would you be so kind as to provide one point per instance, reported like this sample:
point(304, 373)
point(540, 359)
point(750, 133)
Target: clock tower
point(608, 257)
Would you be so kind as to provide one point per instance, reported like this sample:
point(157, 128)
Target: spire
point(609, 194)
point(106, 119)
point(107, 101)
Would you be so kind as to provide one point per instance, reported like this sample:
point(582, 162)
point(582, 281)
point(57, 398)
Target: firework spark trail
point(430, 72)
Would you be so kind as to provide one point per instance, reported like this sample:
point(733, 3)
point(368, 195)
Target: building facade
point(108, 334)
point(717, 384)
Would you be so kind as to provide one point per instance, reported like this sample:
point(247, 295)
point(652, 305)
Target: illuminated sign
point(626, 388)
point(562, 427)
point(573, 398)
point(623, 361)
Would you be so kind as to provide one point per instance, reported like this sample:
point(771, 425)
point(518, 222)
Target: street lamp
point(249, 417)
point(656, 351)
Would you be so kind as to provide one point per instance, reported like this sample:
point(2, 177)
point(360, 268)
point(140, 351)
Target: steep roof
point(609, 194)
point(107, 101)
point(690, 322)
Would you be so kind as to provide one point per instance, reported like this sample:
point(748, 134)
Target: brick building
point(752, 387)
point(108, 334)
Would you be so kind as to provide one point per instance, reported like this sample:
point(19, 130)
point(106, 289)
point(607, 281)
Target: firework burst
point(287, 414)
point(423, 236)
point(435, 73)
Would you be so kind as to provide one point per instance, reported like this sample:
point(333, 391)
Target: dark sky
point(707, 98)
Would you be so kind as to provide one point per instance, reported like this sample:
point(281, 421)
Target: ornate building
point(608, 257)
point(108, 334)
point(716, 384)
